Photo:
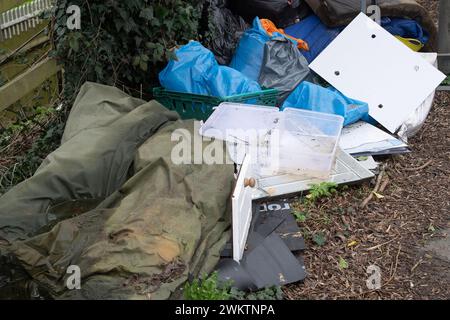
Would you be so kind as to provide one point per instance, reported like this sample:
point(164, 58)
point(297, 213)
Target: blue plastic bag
point(406, 28)
point(225, 81)
point(189, 73)
point(313, 97)
point(316, 34)
point(197, 71)
point(250, 51)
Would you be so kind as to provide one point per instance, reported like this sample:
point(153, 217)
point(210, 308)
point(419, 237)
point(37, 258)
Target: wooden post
point(444, 36)
point(364, 6)
point(1, 31)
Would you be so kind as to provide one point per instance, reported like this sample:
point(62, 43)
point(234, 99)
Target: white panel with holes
point(367, 63)
point(242, 207)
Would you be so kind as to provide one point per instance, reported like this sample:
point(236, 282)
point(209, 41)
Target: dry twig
point(375, 190)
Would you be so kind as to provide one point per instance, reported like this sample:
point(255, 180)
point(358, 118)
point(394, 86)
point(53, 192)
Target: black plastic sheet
point(272, 253)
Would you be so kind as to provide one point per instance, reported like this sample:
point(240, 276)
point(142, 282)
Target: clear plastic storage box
point(293, 141)
point(308, 142)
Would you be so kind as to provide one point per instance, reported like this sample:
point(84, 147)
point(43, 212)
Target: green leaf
point(300, 216)
point(147, 13)
point(136, 61)
point(143, 65)
point(321, 190)
point(74, 45)
point(319, 238)
point(446, 82)
point(343, 264)
point(207, 288)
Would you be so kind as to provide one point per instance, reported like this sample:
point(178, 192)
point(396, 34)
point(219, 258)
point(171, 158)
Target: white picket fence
point(20, 19)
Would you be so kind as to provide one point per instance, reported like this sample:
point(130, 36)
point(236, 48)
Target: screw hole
point(380, 106)
point(374, 36)
point(337, 73)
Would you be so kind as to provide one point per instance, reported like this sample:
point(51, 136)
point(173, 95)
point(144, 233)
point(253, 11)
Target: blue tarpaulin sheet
point(317, 35)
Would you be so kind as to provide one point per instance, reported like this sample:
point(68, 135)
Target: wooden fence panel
point(25, 83)
point(6, 5)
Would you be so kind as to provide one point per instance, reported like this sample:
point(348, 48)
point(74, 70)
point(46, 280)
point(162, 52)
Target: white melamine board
point(242, 209)
point(367, 63)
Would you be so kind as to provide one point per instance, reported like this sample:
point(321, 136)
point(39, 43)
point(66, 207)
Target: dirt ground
point(405, 233)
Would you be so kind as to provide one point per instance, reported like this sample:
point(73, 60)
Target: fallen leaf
point(343, 264)
point(379, 196)
point(352, 243)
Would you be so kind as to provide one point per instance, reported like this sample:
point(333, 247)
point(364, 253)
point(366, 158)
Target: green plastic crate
point(200, 107)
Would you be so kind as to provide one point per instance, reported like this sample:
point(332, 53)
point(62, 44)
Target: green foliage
point(446, 82)
point(343, 264)
point(122, 43)
point(21, 58)
point(319, 238)
point(209, 288)
point(300, 216)
point(272, 293)
point(46, 129)
point(321, 190)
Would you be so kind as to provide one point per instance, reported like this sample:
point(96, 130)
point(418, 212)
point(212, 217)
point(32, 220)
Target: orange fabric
point(270, 28)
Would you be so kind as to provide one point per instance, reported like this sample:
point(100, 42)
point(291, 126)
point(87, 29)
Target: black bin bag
point(226, 28)
point(282, 12)
point(283, 67)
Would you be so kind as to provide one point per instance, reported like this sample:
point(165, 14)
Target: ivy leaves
point(122, 42)
point(74, 39)
point(141, 61)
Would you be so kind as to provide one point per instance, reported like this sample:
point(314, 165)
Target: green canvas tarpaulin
point(111, 201)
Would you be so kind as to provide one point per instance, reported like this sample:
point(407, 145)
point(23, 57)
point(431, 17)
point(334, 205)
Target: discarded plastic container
point(308, 142)
point(293, 141)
